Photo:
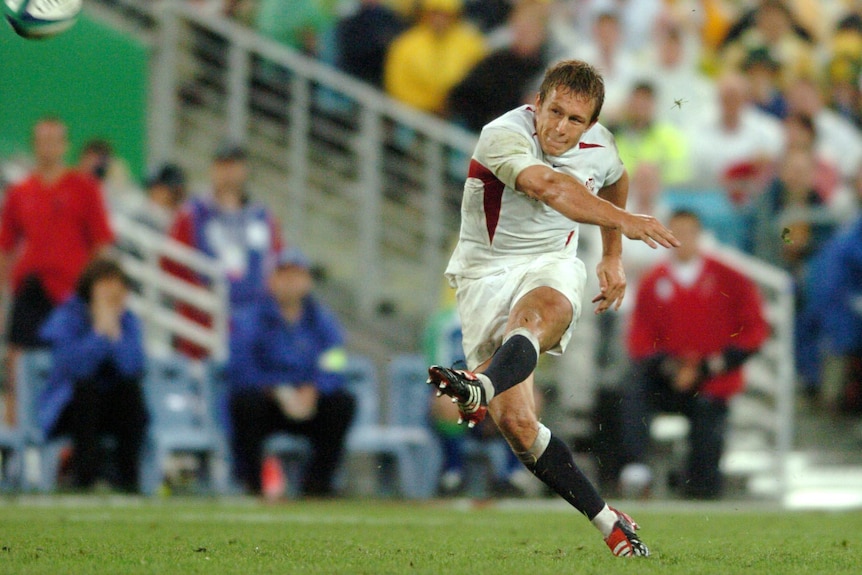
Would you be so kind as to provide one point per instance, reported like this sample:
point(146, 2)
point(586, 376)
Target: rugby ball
point(41, 18)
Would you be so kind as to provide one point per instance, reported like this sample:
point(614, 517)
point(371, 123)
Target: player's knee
point(519, 427)
point(545, 317)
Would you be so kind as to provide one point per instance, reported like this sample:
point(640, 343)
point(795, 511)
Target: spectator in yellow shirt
point(644, 139)
point(427, 60)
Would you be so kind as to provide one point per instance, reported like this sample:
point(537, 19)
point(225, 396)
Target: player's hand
point(648, 230)
point(612, 282)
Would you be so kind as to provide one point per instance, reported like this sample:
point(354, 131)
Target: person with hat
point(165, 191)
point(243, 235)
point(763, 72)
point(285, 373)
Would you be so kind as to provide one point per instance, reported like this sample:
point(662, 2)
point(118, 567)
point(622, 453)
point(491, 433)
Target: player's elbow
point(546, 187)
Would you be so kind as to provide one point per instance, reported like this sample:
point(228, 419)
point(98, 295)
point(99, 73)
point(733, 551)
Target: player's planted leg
point(551, 461)
point(623, 541)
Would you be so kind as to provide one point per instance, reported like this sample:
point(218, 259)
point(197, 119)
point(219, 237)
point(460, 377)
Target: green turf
point(130, 536)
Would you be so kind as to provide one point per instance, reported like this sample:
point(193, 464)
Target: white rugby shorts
point(484, 303)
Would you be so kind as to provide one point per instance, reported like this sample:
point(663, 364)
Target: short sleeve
point(506, 153)
point(615, 164)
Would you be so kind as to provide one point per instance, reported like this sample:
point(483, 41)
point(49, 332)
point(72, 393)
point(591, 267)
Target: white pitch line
point(264, 518)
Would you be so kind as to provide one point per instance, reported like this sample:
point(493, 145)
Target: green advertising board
point(91, 76)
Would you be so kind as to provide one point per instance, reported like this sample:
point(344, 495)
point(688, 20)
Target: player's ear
point(538, 100)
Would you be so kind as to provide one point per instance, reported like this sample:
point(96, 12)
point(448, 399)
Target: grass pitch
point(65, 535)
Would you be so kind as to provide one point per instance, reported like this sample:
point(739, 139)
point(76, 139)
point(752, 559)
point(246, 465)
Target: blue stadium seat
point(181, 421)
point(714, 208)
point(408, 396)
point(32, 371)
point(405, 437)
point(12, 445)
point(408, 416)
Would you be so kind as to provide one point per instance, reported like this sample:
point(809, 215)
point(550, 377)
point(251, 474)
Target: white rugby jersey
point(501, 226)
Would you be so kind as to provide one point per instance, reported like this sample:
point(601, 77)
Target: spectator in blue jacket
point(285, 373)
point(830, 323)
point(94, 387)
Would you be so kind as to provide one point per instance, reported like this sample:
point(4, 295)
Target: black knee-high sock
point(513, 363)
point(556, 468)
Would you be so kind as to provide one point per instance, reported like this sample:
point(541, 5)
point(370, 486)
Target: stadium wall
point(91, 76)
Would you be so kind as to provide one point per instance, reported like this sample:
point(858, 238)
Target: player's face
point(562, 119)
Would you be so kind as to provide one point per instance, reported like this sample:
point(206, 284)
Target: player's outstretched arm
point(572, 199)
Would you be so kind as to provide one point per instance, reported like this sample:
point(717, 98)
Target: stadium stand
point(181, 421)
point(371, 206)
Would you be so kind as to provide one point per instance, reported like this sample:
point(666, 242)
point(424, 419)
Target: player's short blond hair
point(579, 78)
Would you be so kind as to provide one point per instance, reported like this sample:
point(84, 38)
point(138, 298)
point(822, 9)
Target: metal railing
point(762, 417)
point(368, 182)
point(141, 252)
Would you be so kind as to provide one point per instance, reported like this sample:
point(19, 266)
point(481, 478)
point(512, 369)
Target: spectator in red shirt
point(695, 322)
point(52, 223)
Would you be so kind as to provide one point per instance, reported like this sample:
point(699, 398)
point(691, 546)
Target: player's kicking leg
point(513, 363)
point(465, 388)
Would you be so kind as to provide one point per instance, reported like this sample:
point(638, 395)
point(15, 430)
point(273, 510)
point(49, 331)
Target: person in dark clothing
point(285, 373)
point(94, 387)
point(363, 37)
point(503, 79)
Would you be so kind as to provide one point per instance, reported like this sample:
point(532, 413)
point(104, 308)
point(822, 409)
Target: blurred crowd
point(751, 109)
point(747, 112)
point(67, 296)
